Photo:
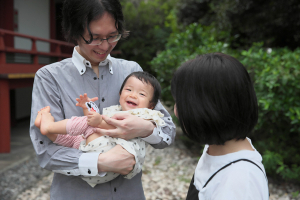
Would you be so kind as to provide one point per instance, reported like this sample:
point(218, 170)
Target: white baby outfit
point(136, 146)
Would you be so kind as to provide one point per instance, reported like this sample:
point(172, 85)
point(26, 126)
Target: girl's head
point(78, 14)
point(215, 99)
point(139, 90)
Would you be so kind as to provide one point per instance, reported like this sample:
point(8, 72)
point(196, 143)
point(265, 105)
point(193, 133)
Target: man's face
point(101, 28)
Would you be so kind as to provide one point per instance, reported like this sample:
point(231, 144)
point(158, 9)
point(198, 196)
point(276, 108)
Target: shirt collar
point(81, 63)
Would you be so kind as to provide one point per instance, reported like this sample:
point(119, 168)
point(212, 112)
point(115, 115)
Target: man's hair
point(215, 99)
point(146, 78)
point(77, 15)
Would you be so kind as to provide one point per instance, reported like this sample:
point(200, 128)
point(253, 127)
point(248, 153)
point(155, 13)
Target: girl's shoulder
point(241, 180)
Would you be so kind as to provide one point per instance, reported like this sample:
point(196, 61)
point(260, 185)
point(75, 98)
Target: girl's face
point(136, 94)
point(101, 28)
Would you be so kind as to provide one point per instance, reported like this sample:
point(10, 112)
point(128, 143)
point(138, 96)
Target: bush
point(275, 73)
point(183, 46)
point(146, 21)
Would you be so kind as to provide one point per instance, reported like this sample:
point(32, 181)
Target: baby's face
point(136, 94)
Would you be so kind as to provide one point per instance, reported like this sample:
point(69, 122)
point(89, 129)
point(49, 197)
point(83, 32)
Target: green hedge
point(275, 73)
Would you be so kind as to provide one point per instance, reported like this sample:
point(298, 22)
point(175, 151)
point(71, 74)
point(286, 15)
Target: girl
point(216, 105)
point(139, 94)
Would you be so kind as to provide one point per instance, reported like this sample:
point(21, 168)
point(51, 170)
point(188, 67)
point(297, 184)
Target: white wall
point(33, 19)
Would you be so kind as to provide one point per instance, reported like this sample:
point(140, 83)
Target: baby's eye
point(128, 90)
point(142, 94)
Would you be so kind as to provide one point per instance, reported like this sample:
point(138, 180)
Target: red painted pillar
point(4, 117)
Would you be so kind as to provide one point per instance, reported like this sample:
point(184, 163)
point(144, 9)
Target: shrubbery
point(147, 22)
point(275, 73)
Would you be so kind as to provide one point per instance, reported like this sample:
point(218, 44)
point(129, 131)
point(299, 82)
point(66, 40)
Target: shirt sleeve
point(161, 137)
point(51, 156)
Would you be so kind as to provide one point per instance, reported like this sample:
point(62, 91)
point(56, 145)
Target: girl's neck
point(230, 146)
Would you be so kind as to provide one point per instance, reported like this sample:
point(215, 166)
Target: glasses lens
point(114, 38)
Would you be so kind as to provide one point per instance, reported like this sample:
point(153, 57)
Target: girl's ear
point(151, 106)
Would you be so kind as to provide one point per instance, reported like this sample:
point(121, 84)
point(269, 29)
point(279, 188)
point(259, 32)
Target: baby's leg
point(49, 126)
point(38, 118)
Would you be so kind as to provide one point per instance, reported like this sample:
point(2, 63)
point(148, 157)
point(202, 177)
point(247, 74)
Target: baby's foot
point(46, 121)
point(38, 118)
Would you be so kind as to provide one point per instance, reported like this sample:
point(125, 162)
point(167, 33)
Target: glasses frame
point(101, 40)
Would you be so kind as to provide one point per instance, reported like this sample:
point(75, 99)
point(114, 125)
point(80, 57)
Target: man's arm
point(50, 156)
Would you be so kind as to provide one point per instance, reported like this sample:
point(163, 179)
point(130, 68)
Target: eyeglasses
point(99, 41)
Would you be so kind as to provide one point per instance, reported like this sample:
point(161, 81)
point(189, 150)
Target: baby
point(139, 94)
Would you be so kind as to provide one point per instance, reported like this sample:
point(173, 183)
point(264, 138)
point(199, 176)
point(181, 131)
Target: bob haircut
point(146, 78)
point(77, 15)
point(215, 99)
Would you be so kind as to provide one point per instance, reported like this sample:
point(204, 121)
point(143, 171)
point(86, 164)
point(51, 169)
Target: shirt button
point(95, 78)
point(41, 142)
point(68, 173)
point(115, 189)
point(89, 171)
point(87, 63)
point(103, 99)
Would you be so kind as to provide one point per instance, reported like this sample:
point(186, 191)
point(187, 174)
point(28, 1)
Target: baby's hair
point(215, 99)
point(147, 78)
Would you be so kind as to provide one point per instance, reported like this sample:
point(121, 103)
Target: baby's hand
point(94, 119)
point(83, 99)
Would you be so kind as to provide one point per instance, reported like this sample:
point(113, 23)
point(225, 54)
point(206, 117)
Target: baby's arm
point(82, 100)
point(94, 119)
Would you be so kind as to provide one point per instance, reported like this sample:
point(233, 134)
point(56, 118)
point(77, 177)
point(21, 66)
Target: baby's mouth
point(131, 103)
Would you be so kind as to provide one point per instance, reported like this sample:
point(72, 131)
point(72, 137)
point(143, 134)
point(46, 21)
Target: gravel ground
point(166, 175)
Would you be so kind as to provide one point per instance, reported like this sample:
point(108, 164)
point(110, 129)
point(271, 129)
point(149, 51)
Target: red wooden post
point(2, 47)
point(4, 117)
point(58, 51)
point(33, 48)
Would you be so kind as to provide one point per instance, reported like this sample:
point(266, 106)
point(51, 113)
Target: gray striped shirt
point(58, 85)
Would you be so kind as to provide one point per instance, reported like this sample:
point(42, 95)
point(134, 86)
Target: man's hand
point(116, 160)
point(128, 126)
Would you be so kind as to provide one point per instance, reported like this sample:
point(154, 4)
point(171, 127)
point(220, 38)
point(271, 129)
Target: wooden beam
point(19, 68)
point(4, 117)
point(20, 83)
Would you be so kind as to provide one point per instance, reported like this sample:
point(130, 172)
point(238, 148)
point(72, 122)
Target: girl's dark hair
point(215, 99)
point(147, 78)
point(77, 15)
